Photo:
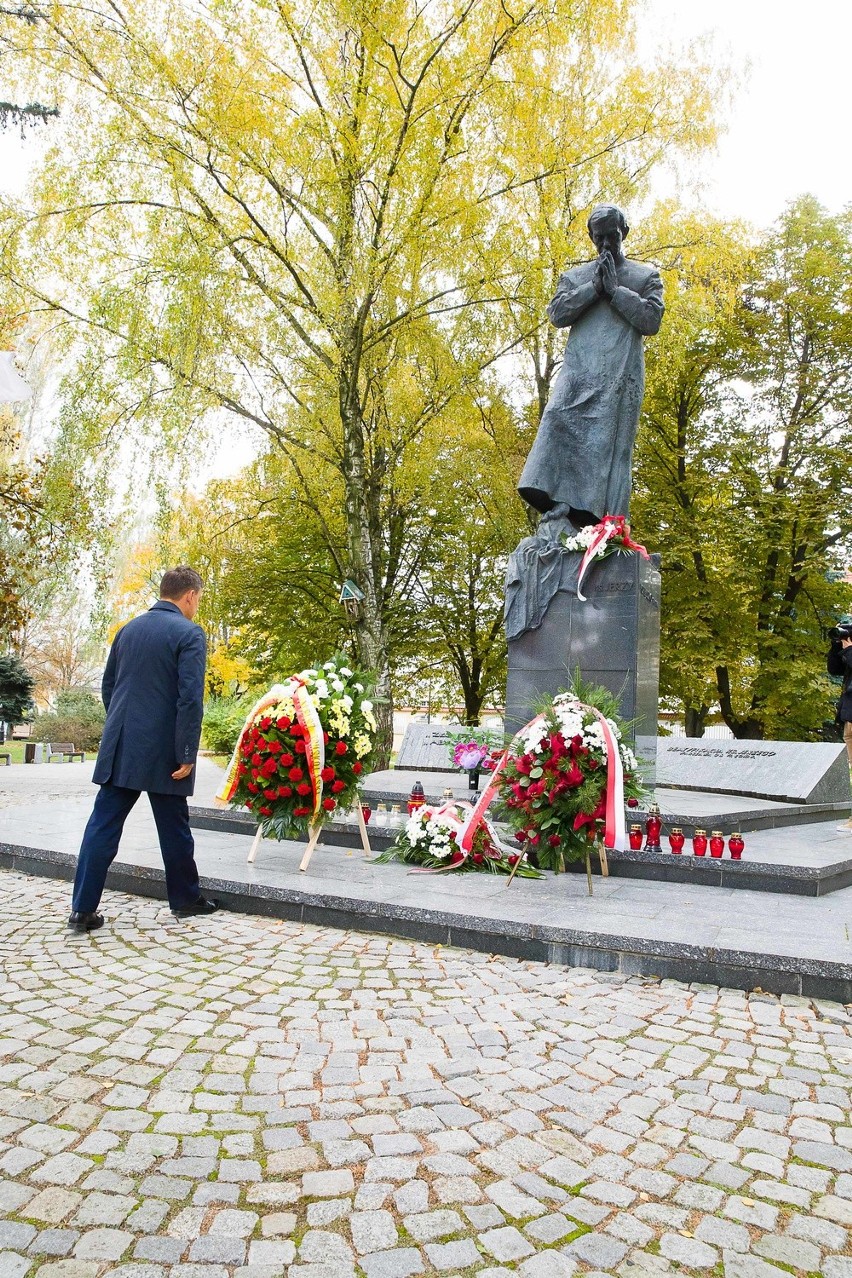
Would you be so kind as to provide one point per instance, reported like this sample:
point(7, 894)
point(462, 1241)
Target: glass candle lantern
point(699, 842)
point(635, 837)
point(717, 843)
point(417, 798)
point(381, 814)
point(736, 843)
point(653, 829)
point(676, 840)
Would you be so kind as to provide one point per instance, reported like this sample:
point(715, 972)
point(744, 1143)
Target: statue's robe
point(584, 447)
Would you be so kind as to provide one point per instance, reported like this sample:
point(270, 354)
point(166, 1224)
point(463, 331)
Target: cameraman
point(839, 664)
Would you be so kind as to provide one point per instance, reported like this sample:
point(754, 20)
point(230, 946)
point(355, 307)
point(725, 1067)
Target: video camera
point(843, 631)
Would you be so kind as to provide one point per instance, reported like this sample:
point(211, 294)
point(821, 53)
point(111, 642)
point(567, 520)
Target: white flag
point(12, 385)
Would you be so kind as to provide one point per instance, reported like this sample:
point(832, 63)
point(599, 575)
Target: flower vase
point(473, 779)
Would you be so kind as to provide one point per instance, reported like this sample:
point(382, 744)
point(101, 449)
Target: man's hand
point(606, 273)
point(183, 771)
point(846, 643)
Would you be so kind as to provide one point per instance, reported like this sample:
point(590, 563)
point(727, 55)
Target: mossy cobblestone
point(240, 1097)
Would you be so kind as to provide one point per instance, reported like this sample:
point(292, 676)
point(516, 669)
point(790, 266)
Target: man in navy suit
point(153, 690)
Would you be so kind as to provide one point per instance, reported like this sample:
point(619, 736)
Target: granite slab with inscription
point(425, 748)
point(785, 771)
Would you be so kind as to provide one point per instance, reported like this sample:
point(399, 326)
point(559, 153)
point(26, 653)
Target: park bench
point(6, 758)
point(21, 732)
point(63, 750)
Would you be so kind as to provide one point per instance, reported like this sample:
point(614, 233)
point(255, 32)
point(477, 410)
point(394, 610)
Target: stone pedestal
point(613, 639)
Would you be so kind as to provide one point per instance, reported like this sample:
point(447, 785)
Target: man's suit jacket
point(153, 690)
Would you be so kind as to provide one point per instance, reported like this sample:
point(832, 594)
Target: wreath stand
point(313, 839)
point(601, 851)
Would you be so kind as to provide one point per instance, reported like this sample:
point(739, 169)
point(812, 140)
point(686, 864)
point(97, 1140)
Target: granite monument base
point(612, 638)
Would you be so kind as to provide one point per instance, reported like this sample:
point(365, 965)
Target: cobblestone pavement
point(240, 1096)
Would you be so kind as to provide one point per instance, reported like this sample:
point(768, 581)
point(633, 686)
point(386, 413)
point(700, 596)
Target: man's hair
point(177, 581)
point(605, 210)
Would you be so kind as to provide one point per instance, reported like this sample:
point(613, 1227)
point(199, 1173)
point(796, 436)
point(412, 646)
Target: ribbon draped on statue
point(309, 721)
point(611, 528)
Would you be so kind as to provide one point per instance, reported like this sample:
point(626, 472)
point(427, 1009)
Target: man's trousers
point(101, 839)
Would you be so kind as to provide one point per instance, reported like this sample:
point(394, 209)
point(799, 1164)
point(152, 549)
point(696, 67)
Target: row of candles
point(677, 839)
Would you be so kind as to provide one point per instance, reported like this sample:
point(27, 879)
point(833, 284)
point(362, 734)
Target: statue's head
point(607, 228)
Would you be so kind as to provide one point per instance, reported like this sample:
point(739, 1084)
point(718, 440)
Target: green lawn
point(15, 748)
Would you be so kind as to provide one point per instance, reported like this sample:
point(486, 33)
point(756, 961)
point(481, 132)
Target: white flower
point(337, 684)
point(534, 737)
point(359, 687)
point(347, 703)
point(366, 706)
point(329, 665)
point(346, 672)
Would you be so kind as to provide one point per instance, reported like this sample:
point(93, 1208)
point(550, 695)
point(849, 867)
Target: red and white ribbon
point(611, 526)
point(615, 828)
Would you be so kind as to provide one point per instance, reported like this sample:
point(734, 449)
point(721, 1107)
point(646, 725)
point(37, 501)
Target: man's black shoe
point(85, 922)
point(201, 906)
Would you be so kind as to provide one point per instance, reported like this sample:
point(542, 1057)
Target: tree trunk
point(693, 718)
point(370, 632)
point(749, 728)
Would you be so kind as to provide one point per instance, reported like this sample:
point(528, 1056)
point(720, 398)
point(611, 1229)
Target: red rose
point(633, 803)
point(513, 859)
point(295, 774)
point(246, 746)
point(287, 760)
point(265, 811)
point(300, 747)
point(328, 774)
point(357, 768)
point(554, 840)
point(256, 760)
point(457, 858)
point(304, 789)
point(341, 747)
point(338, 787)
point(296, 730)
point(269, 766)
point(265, 723)
point(252, 787)
point(534, 839)
point(241, 770)
point(283, 723)
point(478, 858)
point(329, 804)
point(270, 794)
point(285, 791)
point(301, 811)
point(274, 747)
